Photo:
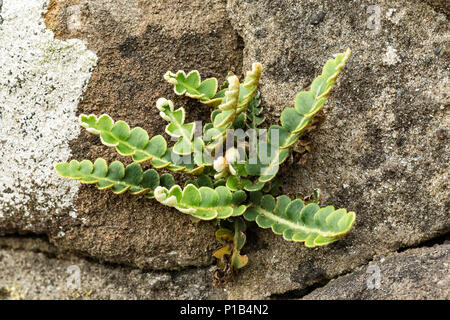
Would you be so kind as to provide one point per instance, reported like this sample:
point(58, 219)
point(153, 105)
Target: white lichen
point(41, 82)
point(391, 57)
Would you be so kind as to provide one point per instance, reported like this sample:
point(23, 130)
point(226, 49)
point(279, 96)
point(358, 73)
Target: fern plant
point(233, 178)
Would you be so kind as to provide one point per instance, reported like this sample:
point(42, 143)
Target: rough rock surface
point(440, 5)
point(30, 274)
point(135, 43)
point(422, 273)
point(33, 269)
point(381, 151)
point(38, 115)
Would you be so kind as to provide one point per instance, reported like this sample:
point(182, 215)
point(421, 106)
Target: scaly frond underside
point(295, 120)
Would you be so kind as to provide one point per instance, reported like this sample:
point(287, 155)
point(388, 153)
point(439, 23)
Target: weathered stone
point(37, 275)
point(41, 82)
point(422, 273)
point(136, 42)
point(381, 151)
point(440, 5)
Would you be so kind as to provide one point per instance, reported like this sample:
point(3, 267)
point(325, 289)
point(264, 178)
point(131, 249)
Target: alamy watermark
point(374, 20)
point(233, 147)
point(374, 280)
point(73, 281)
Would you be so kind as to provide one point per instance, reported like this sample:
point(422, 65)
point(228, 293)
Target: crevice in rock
point(173, 272)
point(441, 239)
point(40, 243)
point(300, 293)
point(25, 235)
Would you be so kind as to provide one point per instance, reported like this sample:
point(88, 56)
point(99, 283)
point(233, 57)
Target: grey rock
point(34, 270)
point(381, 150)
point(440, 6)
point(422, 273)
point(378, 151)
point(316, 17)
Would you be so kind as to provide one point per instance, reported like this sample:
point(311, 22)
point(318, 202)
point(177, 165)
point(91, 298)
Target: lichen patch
point(41, 82)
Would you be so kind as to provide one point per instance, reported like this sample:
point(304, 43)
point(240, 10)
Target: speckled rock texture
point(38, 116)
point(382, 149)
point(33, 270)
point(422, 273)
point(440, 5)
point(135, 43)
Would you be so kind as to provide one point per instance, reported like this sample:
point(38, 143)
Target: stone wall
point(382, 149)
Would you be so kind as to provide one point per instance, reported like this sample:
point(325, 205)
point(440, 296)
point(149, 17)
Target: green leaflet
point(299, 222)
point(202, 180)
point(236, 183)
point(192, 86)
point(115, 177)
point(177, 128)
point(135, 142)
point(203, 203)
point(295, 120)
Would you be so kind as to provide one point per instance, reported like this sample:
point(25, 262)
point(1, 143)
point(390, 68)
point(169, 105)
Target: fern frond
point(295, 120)
point(253, 113)
point(115, 177)
point(223, 181)
point(192, 86)
point(222, 119)
point(203, 203)
point(176, 127)
point(231, 95)
point(229, 104)
point(299, 222)
point(136, 143)
point(308, 103)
